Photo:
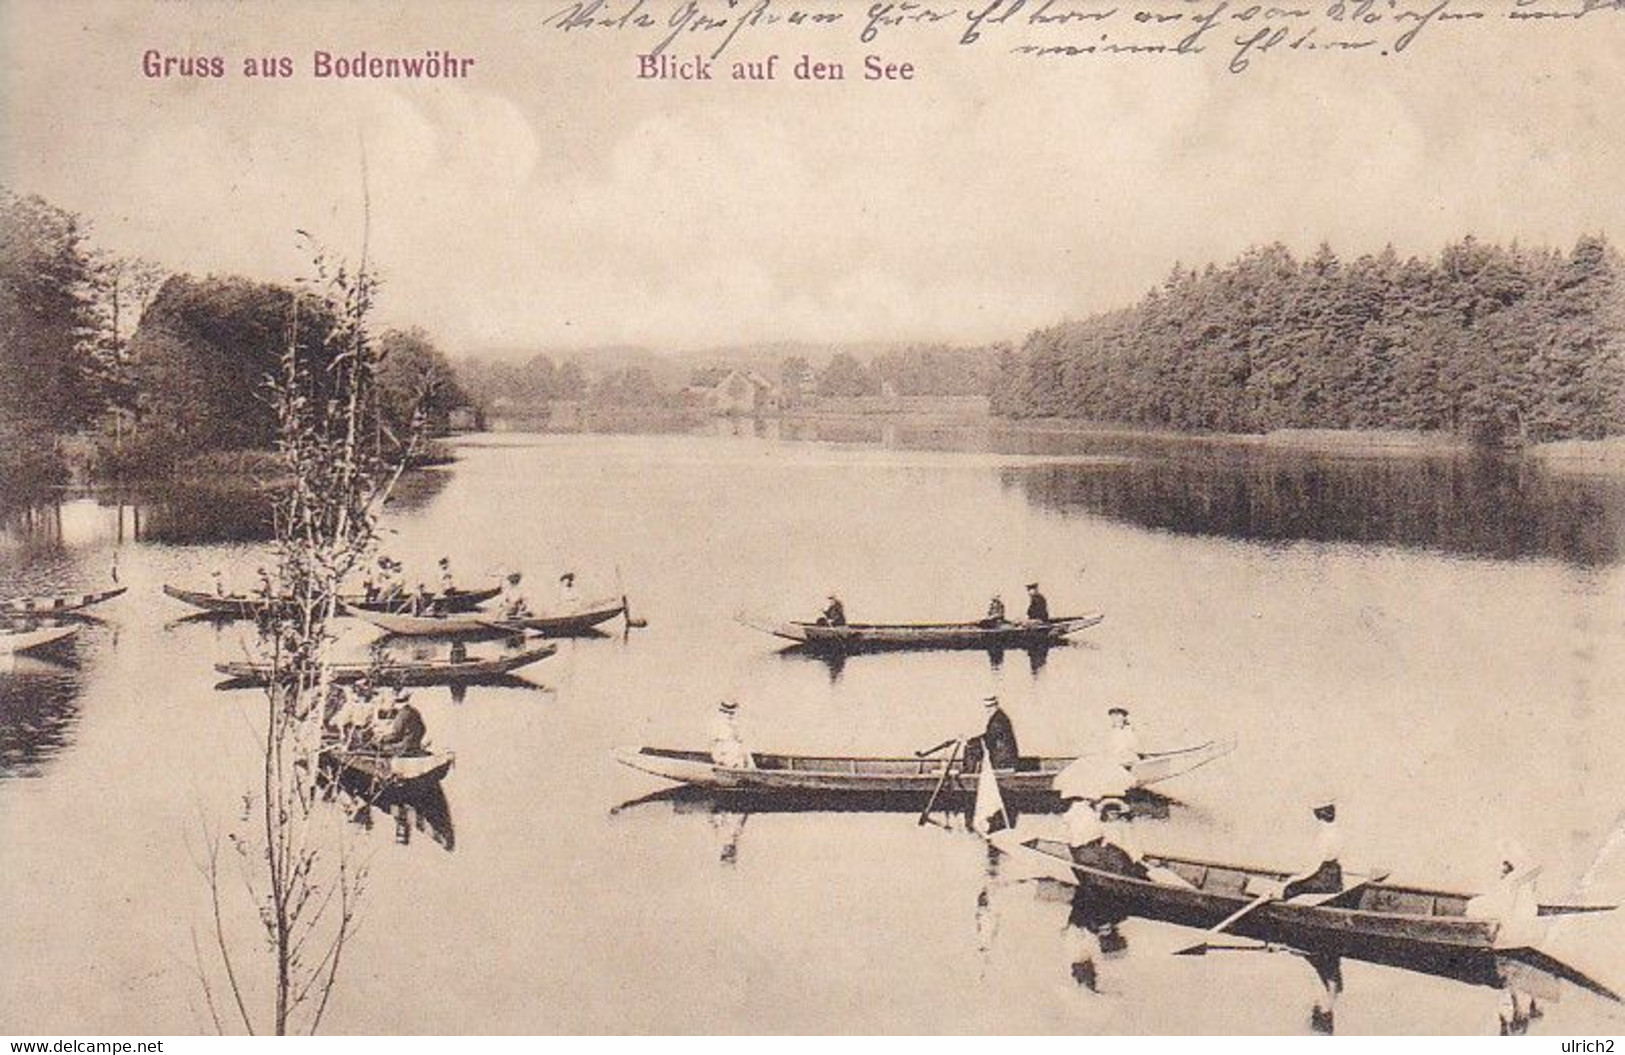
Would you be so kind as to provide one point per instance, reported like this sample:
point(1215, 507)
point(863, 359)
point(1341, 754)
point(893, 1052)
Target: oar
point(1201, 948)
point(928, 752)
point(948, 768)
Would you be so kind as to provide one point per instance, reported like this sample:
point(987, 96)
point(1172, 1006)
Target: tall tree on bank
point(50, 377)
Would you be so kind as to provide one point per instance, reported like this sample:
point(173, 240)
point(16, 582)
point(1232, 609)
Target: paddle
point(948, 768)
point(1201, 948)
point(626, 613)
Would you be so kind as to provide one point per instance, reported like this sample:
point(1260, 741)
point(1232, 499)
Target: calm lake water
point(1438, 640)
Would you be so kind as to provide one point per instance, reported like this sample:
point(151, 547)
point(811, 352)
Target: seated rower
point(834, 614)
point(569, 598)
point(1123, 742)
point(423, 602)
point(403, 731)
point(1327, 876)
point(997, 743)
point(265, 590)
point(995, 612)
point(727, 746)
point(448, 585)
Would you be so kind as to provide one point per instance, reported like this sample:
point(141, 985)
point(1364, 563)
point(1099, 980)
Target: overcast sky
point(553, 200)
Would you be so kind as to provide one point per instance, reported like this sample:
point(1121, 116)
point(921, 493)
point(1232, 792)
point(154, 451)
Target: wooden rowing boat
point(424, 672)
point(1403, 926)
point(857, 637)
point(247, 606)
point(579, 620)
point(396, 774)
point(57, 604)
point(22, 640)
point(1031, 779)
point(554, 624)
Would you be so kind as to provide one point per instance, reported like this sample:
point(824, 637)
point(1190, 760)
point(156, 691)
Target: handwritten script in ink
point(1238, 33)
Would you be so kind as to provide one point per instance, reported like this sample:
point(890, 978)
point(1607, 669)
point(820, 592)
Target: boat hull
point(458, 625)
point(58, 604)
point(28, 640)
point(398, 774)
point(564, 624)
point(861, 637)
point(240, 606)
point(1031, 780)
point(437, 672)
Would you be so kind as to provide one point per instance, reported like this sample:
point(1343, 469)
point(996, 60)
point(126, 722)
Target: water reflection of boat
point(418, 672)
point(881, 637)
point(699, 800)
point(248, 606)
point(421, 809)
point(57, 604)
point(1418, 929)
point(910, 778)
point(836, 659)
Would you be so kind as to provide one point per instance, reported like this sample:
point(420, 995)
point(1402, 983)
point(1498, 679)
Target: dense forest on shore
point(1489, 342)
point(111, 367)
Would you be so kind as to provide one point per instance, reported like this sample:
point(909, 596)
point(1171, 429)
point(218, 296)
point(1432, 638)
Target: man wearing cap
point(403, 734)
point(834, 614)
point(1327, 876)
point(727, 746)
point(1123, 743)
point(997, 742)
point(512, 605)
point(1037, 606)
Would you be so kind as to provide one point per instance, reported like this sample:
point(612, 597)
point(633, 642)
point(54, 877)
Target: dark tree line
point(153, 370)
point(1486, 341)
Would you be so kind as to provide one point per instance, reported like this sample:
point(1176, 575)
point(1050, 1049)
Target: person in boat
point(1513, 902)
point(727, 746)
point(423, 602)
point(354, 719)
point(1123, 742)
point(569, 599)
point(997, 743)
point(1327, 876)
point(219, 583)
point(401, 729)
point(459, 652)
point(390, 585)
point(265, 589)
point(448, 585)
point(1037, 606)
point(995, 612)
point(512, 602)
point(834, 613)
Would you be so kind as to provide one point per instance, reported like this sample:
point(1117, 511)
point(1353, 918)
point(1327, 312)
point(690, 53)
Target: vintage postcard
point(812, 516)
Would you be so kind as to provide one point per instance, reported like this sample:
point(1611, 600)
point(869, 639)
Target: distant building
point(739, 392)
